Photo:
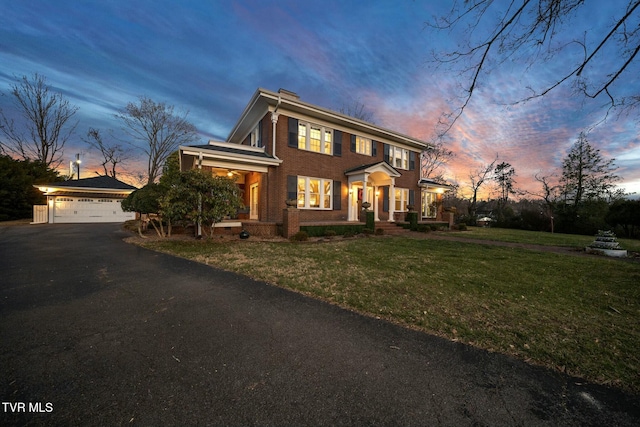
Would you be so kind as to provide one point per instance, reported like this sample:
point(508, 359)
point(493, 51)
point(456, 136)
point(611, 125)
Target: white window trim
point(323, 131)
point(307, 193)
point(253, 138)
point(399, 153)
point(366, 142)
point(404, 199)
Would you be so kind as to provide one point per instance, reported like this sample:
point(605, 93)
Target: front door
point(355, 202)
point(253, 201)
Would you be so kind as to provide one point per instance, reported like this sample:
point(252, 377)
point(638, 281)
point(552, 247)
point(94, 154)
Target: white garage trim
point(68, 209)
point(96, 199)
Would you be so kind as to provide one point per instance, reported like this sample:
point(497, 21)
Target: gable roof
point(374, 167)
point(284, 101)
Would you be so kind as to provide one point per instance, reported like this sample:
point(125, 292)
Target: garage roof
point(98, 184)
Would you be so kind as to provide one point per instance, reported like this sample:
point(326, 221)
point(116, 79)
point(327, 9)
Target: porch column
point(364, 192)
point(392, 204)
point(375, 203)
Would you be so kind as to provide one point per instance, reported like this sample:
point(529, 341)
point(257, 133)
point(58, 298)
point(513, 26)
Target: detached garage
point(96, 199)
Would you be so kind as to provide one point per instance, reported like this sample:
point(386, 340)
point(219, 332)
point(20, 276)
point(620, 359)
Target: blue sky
point(209, 57)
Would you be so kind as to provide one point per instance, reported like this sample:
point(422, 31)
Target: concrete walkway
point(95, 331)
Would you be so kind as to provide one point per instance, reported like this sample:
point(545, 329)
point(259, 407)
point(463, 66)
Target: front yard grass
point(574, 314)
point(539, 238)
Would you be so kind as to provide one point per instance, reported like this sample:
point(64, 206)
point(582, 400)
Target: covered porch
point(247, 166)
point(432, 192)
point(372, 186)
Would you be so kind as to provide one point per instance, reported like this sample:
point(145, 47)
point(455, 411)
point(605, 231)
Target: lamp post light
point(77, 162)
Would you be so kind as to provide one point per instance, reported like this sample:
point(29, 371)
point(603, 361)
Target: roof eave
point(276, 100)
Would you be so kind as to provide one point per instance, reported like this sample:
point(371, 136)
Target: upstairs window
point(255, 136)
point(399, 157)
point(314, 138)
point(363, 145)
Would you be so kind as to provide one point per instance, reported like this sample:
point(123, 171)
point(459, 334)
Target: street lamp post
point(78, 164)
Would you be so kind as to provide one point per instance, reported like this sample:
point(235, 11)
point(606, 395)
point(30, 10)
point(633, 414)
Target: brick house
point(328, 163)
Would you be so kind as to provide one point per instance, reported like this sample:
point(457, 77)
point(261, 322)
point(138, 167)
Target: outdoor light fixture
point(77, 162)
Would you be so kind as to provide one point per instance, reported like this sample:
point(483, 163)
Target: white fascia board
point(332, 119)
point(233, 157)
point(348, 124)
point(47, 189)
point(248, 167)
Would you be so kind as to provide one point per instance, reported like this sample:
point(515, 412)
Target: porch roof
point(431, 184)
point(231, 156)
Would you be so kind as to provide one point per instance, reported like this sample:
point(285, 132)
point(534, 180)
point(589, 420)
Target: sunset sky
point(209, 57)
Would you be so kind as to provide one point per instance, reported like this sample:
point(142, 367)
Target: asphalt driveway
point(95, 331)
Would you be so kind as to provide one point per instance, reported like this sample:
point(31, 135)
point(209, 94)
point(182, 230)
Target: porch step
point(390, 228)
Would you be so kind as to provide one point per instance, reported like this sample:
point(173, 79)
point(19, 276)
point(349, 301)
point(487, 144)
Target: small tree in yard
point(145, 201)
point(173, 205)
point(210, 198)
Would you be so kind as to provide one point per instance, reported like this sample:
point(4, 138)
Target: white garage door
point(85, 209)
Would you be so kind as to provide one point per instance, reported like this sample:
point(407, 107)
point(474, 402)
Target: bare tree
point(434, 159)
point(158, 130)
point(46, 125)
point(477, 178)
point(357, 110)
point(536, 31)
point(549, 195)
point(112, 154)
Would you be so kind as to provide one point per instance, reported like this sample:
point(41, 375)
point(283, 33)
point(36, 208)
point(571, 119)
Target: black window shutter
point(412, 197)
point(337, 195)
point(260, 142)
point(337, 143)
point(374, 148)
point(293, 132)
point(385, 148)
point(385, 198)
point(353, 143)
point(412, 160)
point(292, 187)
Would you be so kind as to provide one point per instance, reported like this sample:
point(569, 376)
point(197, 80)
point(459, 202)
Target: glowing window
point(363, 145)
point(315, 138)
point(401, 197)
point(314, 193)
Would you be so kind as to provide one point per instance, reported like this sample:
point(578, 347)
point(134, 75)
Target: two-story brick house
point(284, 149)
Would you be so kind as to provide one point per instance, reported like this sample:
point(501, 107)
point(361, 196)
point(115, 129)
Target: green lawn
point(538, 238)
point(575, 314)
